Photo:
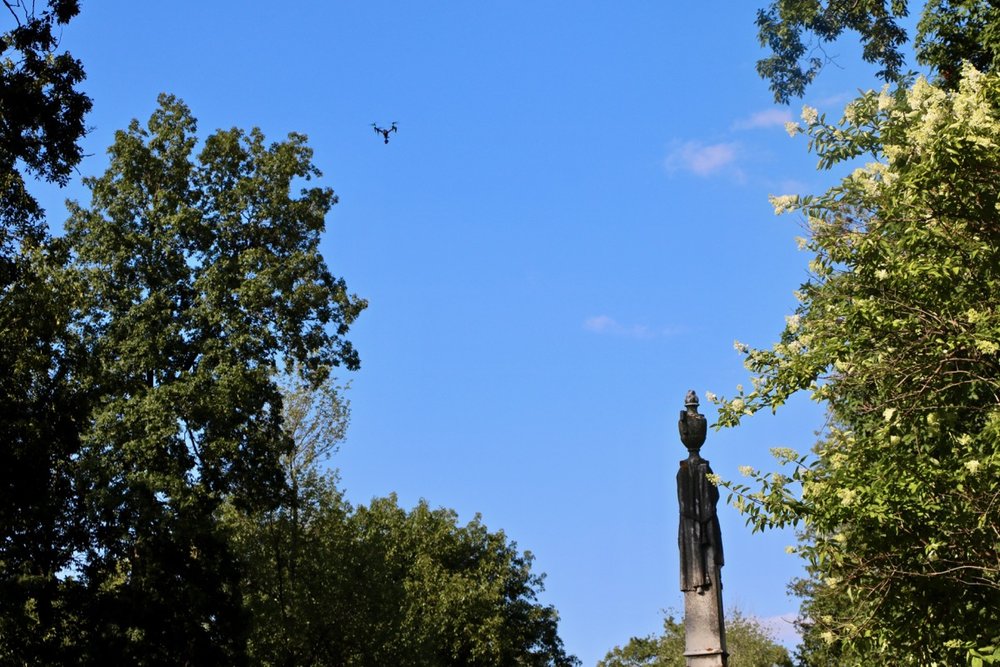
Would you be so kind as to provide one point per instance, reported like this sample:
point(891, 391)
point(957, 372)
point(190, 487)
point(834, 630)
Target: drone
point(385, 131)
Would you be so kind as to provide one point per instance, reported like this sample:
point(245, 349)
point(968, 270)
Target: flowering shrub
point(897, 334)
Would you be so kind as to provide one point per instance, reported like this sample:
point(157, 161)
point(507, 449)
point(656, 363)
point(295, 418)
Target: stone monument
point(700, 542)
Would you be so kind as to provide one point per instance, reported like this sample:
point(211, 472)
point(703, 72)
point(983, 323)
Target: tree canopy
point(144, 392)
point(749, 644)
point(948, 33)
point(42, 113)
point(898, 334)
point(43, 401)
point(332, 584)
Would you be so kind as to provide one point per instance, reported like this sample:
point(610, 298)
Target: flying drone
point(385, 131)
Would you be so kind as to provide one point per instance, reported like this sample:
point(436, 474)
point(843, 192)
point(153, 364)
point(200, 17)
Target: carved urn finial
point(692, 425)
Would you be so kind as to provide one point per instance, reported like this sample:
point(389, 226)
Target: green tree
point(749, 644)
point(380, 585)
point(44, 404)
point(448, 594)
point(296, 554)
point(190, 279)
point(43, 116)
point(949, 33)
point(42, 112)
point(328, 584)
point(898, 335)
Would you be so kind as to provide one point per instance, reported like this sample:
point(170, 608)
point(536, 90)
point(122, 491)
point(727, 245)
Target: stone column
point(700, 541)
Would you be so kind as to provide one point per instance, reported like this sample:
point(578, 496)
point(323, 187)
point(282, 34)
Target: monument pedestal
point(704, 627)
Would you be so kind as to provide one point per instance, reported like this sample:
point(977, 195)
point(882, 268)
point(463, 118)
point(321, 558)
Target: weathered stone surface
point(704, 626)
point(699, 536)
point(699, 539)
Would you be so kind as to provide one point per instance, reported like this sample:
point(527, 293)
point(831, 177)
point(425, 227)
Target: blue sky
point(568, 232)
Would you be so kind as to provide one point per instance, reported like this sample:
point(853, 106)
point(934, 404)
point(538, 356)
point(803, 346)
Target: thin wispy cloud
point(608, 326)
point(764, 119)
point(837, 101)
point(701, 159)
point(783, 628)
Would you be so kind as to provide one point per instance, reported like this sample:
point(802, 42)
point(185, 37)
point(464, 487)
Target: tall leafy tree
point(41, 121)
point(45, 403)
point(202, 276)
point(296, 581)
point(949, 33)
point(328, 584)
point(898, 334)
point(41, 399)
point(750, 644)
point(448, 594)
point(42, 114)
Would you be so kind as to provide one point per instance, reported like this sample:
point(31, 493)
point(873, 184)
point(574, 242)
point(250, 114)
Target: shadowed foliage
point(949, 33)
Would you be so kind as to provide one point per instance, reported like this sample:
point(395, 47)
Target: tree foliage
point(203, 275)
point(949, 33)
point(44, 404)
point(151, 335)
point(449, 594)
point(41, 115)
point(749, 643)
point(43, 401)
point(330, 584)
point(898, 334)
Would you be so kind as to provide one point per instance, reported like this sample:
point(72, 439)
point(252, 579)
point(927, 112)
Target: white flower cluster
point(895, 152)
point(885, 100)
point(783, 203)
point(817, 267)
point(746, 471)
point(784, 454)
point(938, 112)
point(846, 496)
point(851, 113)
point(810, 115)
point(867, 178)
